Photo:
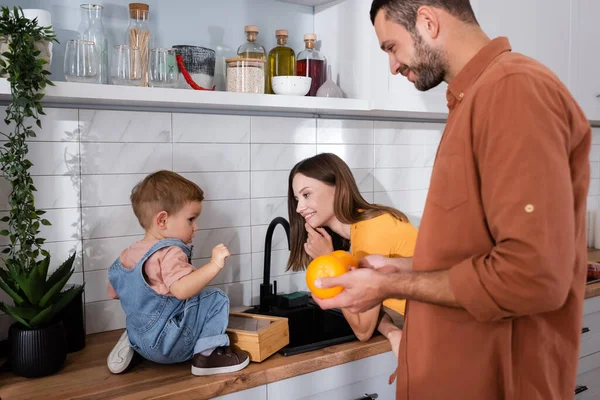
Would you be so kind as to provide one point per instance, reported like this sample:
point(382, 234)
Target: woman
point(323, 196)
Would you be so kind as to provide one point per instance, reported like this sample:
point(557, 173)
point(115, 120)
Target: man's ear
point(428, 22)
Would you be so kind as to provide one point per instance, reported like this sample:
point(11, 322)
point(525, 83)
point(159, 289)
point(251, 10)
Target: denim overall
point(165, 329)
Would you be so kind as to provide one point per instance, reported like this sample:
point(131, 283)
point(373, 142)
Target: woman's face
point(315, 200)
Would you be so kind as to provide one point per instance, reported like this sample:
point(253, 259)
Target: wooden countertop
point(86, 376)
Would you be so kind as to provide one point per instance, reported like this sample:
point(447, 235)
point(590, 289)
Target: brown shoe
point(221, 361)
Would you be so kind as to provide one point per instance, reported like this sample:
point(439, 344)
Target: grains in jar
point(245, 75)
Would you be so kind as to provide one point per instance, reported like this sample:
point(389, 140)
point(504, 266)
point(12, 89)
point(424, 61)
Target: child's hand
point(219, 254)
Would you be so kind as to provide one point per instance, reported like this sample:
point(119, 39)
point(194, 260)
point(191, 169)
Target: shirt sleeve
point(174, 265)
point(522, 146)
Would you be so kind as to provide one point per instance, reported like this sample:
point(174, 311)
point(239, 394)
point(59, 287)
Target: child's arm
point(191, 284)
point(363, 324)
point(112, 294)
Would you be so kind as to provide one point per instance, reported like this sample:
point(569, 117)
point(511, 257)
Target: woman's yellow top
point(387, 236)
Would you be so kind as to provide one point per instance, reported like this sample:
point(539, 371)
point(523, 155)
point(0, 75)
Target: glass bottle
point(138, 34)
point(311, 64)
point(282, 59)
point(92, 29)
point(252, 49)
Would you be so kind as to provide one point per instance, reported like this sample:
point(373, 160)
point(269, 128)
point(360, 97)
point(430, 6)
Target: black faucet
point(267, 294)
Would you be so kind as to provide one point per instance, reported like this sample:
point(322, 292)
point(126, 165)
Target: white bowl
point(291, 85)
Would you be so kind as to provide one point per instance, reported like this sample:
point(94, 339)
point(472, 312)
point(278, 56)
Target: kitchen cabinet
point(344, 382)
point(257, 393)
point(585, 57)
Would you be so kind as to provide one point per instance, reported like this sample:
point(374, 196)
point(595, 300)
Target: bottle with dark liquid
point(282, 59)
point(310, 63)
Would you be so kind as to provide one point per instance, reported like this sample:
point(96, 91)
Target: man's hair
point(404, 12)
point(162, 191)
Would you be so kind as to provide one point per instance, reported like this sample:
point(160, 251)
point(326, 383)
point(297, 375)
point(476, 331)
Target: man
point(497, 281)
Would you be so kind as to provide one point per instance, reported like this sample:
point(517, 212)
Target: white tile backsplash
point(283, 130)
point(124, 126)
point(242, 163)
point(193, 157)
point(211, 128)
point(58, 125)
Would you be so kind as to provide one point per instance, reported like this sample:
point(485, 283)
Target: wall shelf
point(313, 3)
point(83, 95)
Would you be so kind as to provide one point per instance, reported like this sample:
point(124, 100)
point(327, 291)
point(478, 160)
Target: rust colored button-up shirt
point(505, 214)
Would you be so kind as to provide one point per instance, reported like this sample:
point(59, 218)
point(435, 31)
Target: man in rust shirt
point(497, 281)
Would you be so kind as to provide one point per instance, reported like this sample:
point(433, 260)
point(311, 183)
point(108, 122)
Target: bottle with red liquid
point(310, 63)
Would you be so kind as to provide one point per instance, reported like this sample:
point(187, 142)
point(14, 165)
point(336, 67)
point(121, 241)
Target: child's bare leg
point(391, 332)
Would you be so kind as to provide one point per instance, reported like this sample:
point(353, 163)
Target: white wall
point(87, 161)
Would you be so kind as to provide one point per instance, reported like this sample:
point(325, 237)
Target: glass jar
point(310, 63)
point(138, 34)
point(92, 29)
point(252, 49)
point(282, 59)
point(245, 75)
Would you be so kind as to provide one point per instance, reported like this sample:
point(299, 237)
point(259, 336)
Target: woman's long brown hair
point(348, 204)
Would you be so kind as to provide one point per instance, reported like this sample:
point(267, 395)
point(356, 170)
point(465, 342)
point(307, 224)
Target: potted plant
point(37, 340)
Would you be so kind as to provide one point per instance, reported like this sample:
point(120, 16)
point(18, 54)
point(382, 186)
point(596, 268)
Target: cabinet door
point(346, 378)
point(377, 385)
point(257, 393)
point(585, 57)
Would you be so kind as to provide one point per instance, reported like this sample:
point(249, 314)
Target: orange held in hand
point(348, 259)
point(324, 267)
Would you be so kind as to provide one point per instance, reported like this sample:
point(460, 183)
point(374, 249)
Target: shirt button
point(529, 208)
point(461, 95)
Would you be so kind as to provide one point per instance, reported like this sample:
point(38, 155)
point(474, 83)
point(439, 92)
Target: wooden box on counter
point(259, 335)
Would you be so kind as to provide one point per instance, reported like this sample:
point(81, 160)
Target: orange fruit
point(348, 259)
point(323, 267)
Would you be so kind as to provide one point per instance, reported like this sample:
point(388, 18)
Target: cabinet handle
point(369, 396)
point(580, 389)
point(585, 329)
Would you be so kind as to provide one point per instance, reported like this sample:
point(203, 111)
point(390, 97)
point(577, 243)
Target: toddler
point(171, 315)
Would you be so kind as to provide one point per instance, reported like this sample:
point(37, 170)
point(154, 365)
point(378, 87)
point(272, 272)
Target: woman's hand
point(386, 264)
point(318, 242)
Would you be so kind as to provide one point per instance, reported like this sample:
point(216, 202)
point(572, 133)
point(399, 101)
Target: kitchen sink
point(311, 328)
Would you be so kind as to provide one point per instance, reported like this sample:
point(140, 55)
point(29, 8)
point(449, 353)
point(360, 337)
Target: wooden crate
point(259, 335)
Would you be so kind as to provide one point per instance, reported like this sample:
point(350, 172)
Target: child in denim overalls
point(171, 315)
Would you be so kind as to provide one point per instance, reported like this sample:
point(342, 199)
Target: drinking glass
point(126, 66)
point(81, 61)
point(163, 68)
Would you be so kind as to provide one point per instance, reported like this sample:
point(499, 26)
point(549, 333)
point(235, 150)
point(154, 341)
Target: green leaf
point(61, 271)
point(54, 290)
point(4, 308)
point(4, 232)
point(43, 267)
point(42, 317)
point(4, 285)
point(45, 222)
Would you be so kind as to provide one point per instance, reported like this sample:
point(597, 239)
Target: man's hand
point(386, 264)
point(318, 242)
point(363, 290)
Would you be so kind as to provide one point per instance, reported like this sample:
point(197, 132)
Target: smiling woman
point(327, 212)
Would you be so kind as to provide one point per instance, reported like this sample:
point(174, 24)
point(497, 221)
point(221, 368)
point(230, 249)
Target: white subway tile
point(237, 241)
point(408, 132)
point(54, 158)
point(101, 253)
point(104, 316)
point(58, 125)
point(405, 201)
point(390, 179)
point(125, 158)
point(58, 191)
point(279, 156)
point(595, 170)
point(238, 268)
point(594, 189)
point(279, 259)
point(265, 210)
point(368, 196)
point(595, 153)
point(224, 214)
point(269, 183)
point(222, 185)
point(211, 128)
point(61, 251)
point(283, 130)
point(364, 179)
point(259, 236)
point(356, 156)
point(124, 126)
point(104, 222)
point(210, 157)
point(108, 190)
point(595, 135)
point(239, 293)
point(331, 131)
point(96, 284)
point(404, 156)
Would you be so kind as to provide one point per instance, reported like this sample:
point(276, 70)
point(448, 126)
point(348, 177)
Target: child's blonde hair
point(162, 191)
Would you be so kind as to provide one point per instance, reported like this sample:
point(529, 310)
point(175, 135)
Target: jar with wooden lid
point(138, 34)
point(245, 75)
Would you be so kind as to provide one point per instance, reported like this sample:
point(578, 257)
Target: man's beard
point(429, 65)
